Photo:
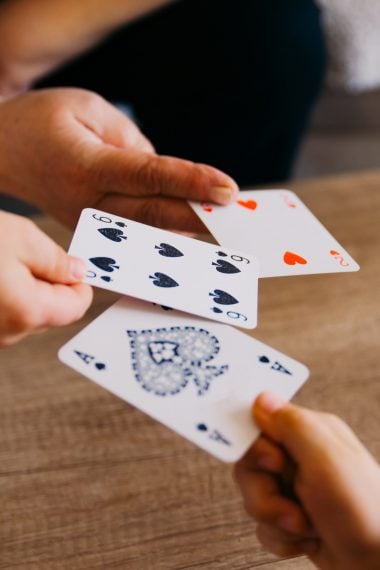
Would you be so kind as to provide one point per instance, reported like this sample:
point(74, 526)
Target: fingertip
point(220, 179)
point(208, 184)
point(270, 402)
point(222, 195)
point(266, 404)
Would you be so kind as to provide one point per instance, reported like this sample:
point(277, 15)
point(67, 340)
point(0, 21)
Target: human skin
point(77, 150)
point(68, 149)
point(40, 286)
point(332, 514)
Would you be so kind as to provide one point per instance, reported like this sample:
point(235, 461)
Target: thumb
point(300, 431)
point(136, 173)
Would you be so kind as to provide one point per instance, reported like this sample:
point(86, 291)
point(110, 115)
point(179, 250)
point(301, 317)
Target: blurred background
point(344, 135)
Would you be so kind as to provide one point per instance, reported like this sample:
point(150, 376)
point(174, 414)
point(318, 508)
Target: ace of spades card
point(166, 268)
point(196, 376)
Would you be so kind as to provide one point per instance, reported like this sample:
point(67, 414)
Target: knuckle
point(56, 103)
point(148, 172)
point(91, 100)
point(50, 105)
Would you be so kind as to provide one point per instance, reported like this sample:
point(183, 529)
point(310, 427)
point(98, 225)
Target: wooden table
point(87, 481)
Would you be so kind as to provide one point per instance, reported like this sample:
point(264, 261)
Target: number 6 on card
point(166, 268)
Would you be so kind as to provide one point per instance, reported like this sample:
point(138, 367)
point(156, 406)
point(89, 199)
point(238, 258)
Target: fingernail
point(288, 523)
point(77, 268)
point(269, 402)
point(222, 195)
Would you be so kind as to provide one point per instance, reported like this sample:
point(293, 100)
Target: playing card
point(277, 228)
point(196, 376)
point(166, 268)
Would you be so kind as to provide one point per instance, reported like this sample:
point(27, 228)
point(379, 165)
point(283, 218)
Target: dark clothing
point(228, 83)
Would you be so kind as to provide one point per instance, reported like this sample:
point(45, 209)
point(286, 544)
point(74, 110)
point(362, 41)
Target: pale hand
point(39, 284)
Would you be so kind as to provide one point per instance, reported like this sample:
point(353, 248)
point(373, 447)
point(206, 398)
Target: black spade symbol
point(105, 263)
point(225, 266)
point(113, 234)
point(168, 250)
point(121, 224)
point(221, 254)
point(223, 298)
point(264, 359)
point(162, 280)
point(100, 365)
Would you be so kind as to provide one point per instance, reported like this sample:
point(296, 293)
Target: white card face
point(166, 268)
point(196, 376)
point(277, 228)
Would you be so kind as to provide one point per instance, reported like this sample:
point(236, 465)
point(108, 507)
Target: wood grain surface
point(88, 482)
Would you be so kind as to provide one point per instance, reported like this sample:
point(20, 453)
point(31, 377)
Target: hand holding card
point(193, 375)
point(167, 268)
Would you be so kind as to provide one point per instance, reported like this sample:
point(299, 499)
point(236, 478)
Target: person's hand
point(67, 149)
point(39, 282)
point(331, 511)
